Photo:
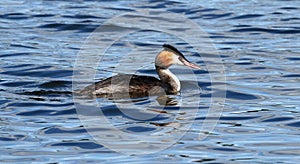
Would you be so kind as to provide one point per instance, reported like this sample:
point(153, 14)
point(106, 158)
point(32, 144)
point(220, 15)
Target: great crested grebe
point(134, 86)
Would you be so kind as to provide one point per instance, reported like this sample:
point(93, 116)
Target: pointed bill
point(192, 65)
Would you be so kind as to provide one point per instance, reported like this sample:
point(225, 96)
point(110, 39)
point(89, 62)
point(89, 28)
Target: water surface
point(257, 41)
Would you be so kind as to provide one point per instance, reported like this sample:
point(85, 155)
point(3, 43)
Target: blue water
point(259, 46)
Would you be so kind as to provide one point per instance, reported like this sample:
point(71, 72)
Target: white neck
point(169, 78)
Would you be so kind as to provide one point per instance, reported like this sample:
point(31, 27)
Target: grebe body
point(134, 86)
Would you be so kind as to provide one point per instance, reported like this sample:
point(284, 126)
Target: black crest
point(173, 49)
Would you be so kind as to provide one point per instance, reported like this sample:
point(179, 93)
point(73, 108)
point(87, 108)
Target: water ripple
point(14, 16)
point(272, 31)
point(259, 50)
point(294, 124)
point(60, 130)
point(78, 144)
point(42, 73)
point(240, 96)
point(246, 16)
point(66, 27)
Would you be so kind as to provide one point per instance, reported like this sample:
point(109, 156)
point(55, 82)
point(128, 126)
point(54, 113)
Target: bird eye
point(181, 59)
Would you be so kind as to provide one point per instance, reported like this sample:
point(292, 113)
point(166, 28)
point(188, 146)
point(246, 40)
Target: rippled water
point(259, 45)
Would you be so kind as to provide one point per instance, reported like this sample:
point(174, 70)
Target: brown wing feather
point(124, 84)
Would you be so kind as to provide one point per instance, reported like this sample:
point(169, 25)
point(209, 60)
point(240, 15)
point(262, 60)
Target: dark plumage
point(125, 85)
point(134, 86)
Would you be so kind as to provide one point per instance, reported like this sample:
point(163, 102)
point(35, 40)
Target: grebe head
point(169, 56)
